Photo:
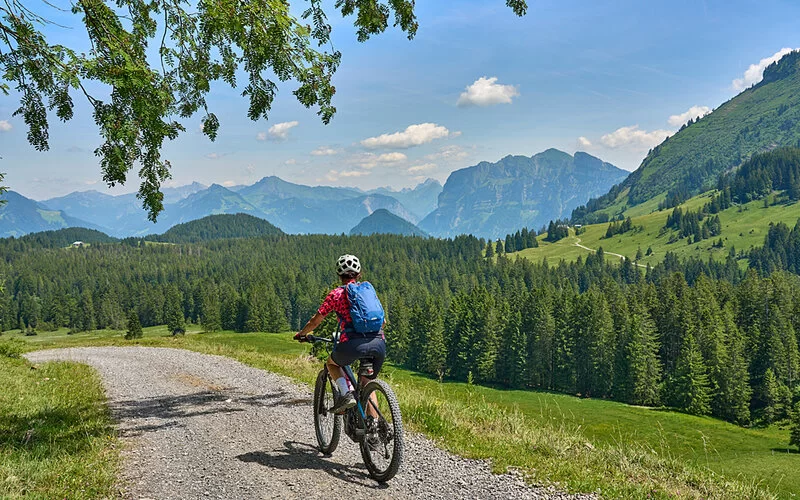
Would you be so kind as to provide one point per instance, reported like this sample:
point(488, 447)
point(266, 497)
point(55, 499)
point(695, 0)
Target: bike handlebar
point(313, 338)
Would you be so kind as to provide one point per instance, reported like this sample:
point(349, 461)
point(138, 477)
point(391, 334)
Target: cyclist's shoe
point(343, 403)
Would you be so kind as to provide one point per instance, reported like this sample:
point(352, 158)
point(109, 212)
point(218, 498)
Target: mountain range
point(488, 199)
point(21, 215)
point(495, 199)
point(294, 208)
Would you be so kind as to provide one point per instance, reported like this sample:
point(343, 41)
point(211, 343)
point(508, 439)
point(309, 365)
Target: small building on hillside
point(77, 244)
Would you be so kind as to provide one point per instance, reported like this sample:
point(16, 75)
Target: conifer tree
point(538, 326)
point(134, 326)
point(86, 306)
point(487, 327)
point(732, 400)
point(489, 250)
point(770, 391)
point(434, 352)
point(794, 429)
point(564, 372)
point(174, 310)
point(397, 328)
point(644, 368)
point(210, 310)
point(688, 387)
point(274, 313)
point(594, 346)
point(512, 361)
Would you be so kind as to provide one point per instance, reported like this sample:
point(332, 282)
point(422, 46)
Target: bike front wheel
point(382, 447)
point(327, 425)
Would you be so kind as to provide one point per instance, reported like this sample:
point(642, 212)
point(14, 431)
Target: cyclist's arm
point(314, 322)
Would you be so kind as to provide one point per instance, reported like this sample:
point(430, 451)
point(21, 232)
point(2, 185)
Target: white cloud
point(755, 72)
point(486, 92)
point(634, 137)
point(325, 151)
point(5, 126)
point(413, 135)
point(261, 136)
point(335, 175)
point(451, 152)
point(583, 142)
point(391, 157)
point(228, 184)
point(372, 160)
point(214, 156)
point(353, 173)
point(421, 168)
point(281, 130)
point(291, 161)
point(691, 113)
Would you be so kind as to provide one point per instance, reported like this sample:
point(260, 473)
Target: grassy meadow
point(618, 450)
point(56, 435)
point(743, 227)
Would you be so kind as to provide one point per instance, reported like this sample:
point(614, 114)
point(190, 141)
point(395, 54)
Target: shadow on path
point(297, 456)
point(173, 410)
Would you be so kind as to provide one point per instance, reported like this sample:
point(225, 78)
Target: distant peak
point(430, 182)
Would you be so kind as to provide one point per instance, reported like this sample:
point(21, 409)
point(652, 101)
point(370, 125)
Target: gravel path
point(201, 426)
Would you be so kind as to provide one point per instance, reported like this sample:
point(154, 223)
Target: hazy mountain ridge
point(494, 199)
point(21, 215)
point(420, 200)
point(294, 208)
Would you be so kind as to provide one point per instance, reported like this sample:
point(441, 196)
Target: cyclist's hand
point(300, 338)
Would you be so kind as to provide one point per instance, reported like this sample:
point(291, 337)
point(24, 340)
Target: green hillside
point(743, 227)
point(214, 227)
point(65, 237)
point(759, 119)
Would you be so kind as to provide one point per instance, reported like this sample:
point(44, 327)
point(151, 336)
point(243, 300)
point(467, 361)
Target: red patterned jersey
point(337, 301)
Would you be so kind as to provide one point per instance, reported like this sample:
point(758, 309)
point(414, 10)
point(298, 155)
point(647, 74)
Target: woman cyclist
point(351, 345)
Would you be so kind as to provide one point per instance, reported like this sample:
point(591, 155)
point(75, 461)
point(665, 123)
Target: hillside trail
point(578, 244)
point(201, 426)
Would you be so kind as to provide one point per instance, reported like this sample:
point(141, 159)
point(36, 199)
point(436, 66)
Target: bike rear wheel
point(382, 447)
point(327, 425)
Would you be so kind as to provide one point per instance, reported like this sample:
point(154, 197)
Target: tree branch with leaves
point(198, 44)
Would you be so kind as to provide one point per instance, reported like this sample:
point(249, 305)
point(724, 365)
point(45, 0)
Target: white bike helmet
point(348, 265)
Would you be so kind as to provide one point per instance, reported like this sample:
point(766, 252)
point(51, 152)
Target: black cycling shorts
point(357, 347)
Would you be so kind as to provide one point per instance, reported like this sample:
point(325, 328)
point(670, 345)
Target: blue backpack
point(366, 310)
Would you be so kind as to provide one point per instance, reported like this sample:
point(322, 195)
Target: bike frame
point(348, 372)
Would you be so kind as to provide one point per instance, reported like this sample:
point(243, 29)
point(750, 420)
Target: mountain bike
point(374, 423)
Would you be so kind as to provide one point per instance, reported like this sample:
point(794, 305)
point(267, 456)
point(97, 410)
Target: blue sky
point(477, 83)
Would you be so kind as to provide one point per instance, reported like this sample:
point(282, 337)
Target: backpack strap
point(347, 327)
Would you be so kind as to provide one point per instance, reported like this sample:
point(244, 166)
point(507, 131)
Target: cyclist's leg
point(344, 354)
point(377, 350)
point(335, 371)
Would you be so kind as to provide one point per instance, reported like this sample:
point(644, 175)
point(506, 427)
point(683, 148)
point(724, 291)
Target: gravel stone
point(203, 426)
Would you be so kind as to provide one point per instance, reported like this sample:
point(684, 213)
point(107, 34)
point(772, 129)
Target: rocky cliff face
point(494, 199)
